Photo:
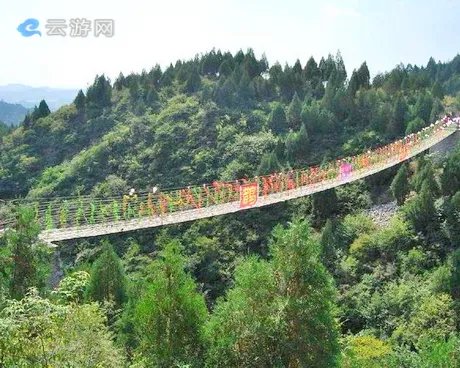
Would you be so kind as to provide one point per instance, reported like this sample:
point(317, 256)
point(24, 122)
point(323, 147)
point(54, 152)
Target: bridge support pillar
point(57, 270)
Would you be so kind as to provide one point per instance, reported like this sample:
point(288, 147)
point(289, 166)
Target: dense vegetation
point(314, 282)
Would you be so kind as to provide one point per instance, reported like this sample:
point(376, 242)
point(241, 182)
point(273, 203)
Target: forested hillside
point(12, 114)
point(309, 283)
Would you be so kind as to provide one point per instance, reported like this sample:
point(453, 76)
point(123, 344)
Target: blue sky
point(383, 33)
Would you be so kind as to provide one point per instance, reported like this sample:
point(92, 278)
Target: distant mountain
point(30, 96)
point(12, 114)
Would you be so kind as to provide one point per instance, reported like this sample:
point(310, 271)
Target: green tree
point(324, 206)
point(293, 112)
point(421, 211)
point(279, 314)
point(98, 95)
point(450, 179)
point(27, 266)
point(310, 338)
point(39, 333)
point(170, 313)
point(436, 110)
point(333, 242)
point(437, 91)
point(268, 164)
point(425, 174)
point(452, 216)
point(225, 69)
point(400, 185)
point(193, 81)
point(363, 76)
point(41, 112)
point(311, 70)
point(397, 125)
point(80, 100)
point(423, 106)
point(245, 327)
point(108, 280)
point(415, 126)
point(277, 120)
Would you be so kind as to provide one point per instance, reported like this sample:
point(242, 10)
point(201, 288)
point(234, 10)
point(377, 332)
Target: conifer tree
point(41, 111)
point(437, 91)
point(294, 111)
point(400, 185)
point(25, 255)
point(279, 314)
point(108, 280)
point(268, 164)
point(311, 70)
point(397, 125)
point(310, 338)
point(170, 313)
point(421, 212)
point(80, 100)
point(450, 179)
point(193, 81)
point(324, 206)
point(277, 120)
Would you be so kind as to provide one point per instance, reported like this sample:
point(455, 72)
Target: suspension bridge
point(66, 218)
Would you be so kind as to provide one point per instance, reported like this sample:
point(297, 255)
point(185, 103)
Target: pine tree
point(425, 175)
point(397, 125)
point(152, 97)
point(98, 96)
point(364, 78)
point(452, 216)
point(311, 335)
point(400, 185)
point(421, 212)
point(423, 107)
point(225, 68)
point(333, 242)
point(277, 120)
point(324, 206)
point(303, 146)
point(279, 314)
point(311, 70)
point(437, 91)
point(455, 278)
point(293, 113)
point(193, 81)
point(297, 68)
point(415, 126)
point(245, 326)
point(170, 313)
point(268, 164)
point(353, 85)
point(27, 122)
point(119, 82)
point(450, 179)
point(292, 146)
point(108, 280)
point(26, 271)
point(41, 111)
point(436, 110)
point(80, 100)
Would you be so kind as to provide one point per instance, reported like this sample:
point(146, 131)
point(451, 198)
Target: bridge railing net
point(79, 211)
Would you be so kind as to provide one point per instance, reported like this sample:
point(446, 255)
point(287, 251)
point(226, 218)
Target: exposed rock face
point(382, 213)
